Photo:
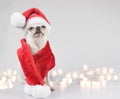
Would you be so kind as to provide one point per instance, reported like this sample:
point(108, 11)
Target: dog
point(35, 55)
point(36, 38)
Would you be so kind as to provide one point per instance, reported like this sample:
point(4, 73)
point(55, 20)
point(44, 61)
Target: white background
point(83, 32)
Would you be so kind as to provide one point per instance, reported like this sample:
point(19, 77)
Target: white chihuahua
point(36, 38)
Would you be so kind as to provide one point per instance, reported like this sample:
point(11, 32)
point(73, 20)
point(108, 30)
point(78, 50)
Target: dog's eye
point(31, 28)
point(43, 26)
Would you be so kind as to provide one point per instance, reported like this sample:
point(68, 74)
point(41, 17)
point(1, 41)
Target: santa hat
point(29, 17)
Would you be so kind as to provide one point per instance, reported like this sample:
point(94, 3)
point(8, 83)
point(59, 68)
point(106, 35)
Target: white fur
point(37, 91)
point(36, 44)
point(17, 20)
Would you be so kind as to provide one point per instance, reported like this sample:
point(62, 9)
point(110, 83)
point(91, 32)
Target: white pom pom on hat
point(29, 17)
point(18, 20)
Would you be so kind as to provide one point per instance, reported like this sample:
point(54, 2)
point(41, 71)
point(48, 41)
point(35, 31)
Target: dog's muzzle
point(38, 31)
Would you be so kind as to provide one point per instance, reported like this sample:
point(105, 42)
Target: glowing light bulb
point(1, 82)
point(10, 85)
point(63, 85)
point(90, 73)
point(85, 79)
point(1, 87)
point(69, 81)
point(88, 84)
point(64, 80)
point(85, 67)
point(102, 77)
point(111, 70)
point(4, 87)
point(97, 71)
point(8, 82)
point(14, 72)
point(60, 71)
point(54, 73)
point(4, 79)
point(108, 77)
point(75, 75)
point(68, 75)
point(119, 74)
point(4, 73)
point(13, 78)
point(9, 72)
point(115, 77)
point(82, 83)
point(104, 70)
point(81, 76)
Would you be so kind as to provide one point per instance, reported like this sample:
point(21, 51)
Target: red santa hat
point(29, 17)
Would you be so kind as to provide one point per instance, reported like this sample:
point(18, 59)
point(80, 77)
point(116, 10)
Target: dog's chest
point(37, 44)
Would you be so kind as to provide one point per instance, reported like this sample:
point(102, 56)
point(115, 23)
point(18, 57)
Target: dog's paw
point(52, 88)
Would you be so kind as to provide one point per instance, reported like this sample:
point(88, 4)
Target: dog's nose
point(38, 28)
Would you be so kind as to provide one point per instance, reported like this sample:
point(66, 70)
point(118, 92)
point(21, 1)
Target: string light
point(101, 77)
point(97, 71)
point(75, 75)
point(108, 77)
point(90, 73)
point(88, 84)
point(119, 74)
point(7, 78)
point(69, 81)
point(68, 75)
point(82, 84)
point(87, 78)
point(85, 67)
point(104, 70)
point(60, 71)
point(111, 70)
point(54, 74)
point(115, 77)
point(81, 76)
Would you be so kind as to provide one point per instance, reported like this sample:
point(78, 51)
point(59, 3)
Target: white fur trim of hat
point(37, 91)
point(37, 20)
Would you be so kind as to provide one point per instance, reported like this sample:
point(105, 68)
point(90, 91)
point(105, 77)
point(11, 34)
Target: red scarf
point(35, 67)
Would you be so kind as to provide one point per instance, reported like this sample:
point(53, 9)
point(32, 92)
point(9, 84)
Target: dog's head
point(36, 31)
